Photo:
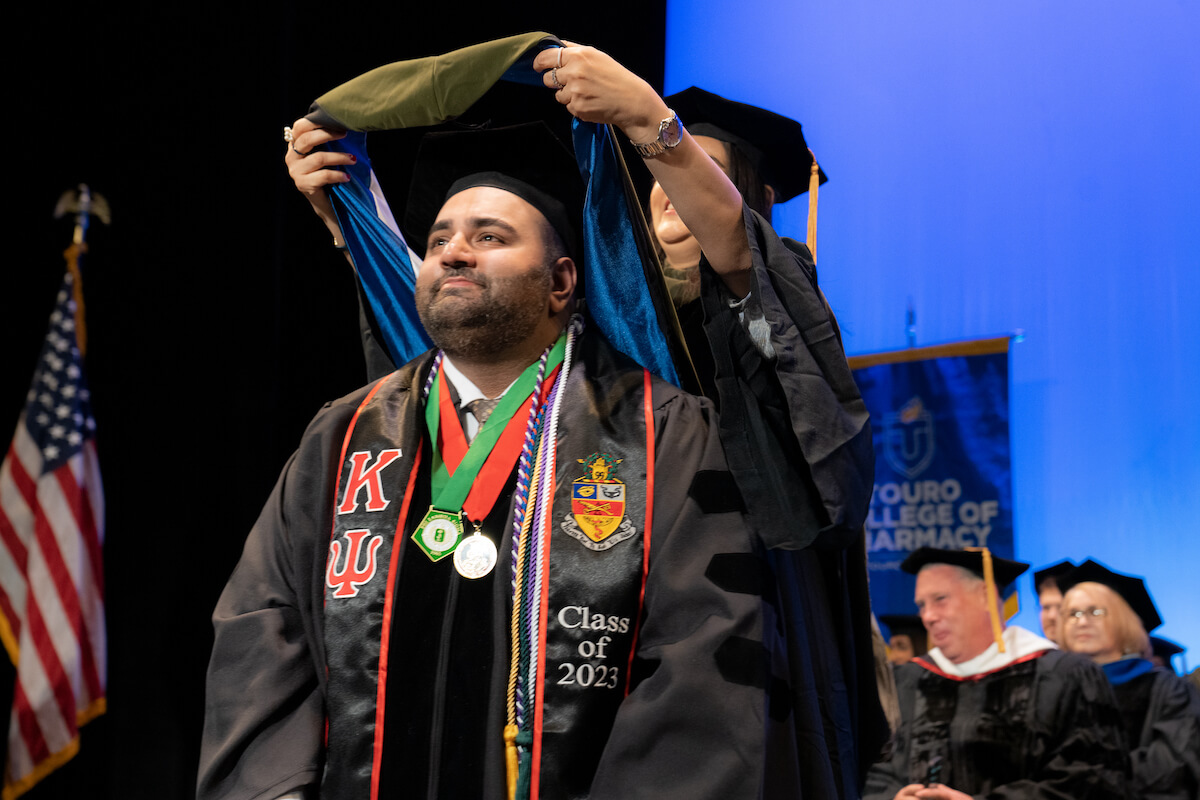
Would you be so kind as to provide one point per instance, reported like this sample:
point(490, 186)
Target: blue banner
point(943, 478)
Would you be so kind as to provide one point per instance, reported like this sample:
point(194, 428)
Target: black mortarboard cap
point(901, 623)
point(1004, 570)
point(1131, 588)
point(527, 160)
point(1055, 571)
point(909, 625)
point(773, 143)
point(1165, 648)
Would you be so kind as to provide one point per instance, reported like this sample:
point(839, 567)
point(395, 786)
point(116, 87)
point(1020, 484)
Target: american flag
point(51, 573)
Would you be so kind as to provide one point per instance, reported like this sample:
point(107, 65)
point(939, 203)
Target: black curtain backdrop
point(219, 316)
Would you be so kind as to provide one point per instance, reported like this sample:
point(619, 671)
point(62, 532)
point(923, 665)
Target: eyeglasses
point(1087, 612)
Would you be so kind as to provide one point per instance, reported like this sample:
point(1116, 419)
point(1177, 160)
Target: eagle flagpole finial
point(84, 204)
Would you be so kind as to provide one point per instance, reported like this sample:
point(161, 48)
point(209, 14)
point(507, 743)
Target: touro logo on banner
point(939, 419)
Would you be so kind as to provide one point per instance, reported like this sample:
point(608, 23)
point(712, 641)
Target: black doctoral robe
point(797, 435)
point(1161, 718)
point(1046, 727)
point(691, 726)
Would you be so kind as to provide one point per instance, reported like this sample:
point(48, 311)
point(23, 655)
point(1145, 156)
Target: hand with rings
point(312, 169)
point(289, 136)
point(554, 72)
point(595, 88)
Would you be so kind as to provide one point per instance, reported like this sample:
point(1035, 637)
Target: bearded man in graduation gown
point(579, 616)
point(992, 712)
point(793, 426)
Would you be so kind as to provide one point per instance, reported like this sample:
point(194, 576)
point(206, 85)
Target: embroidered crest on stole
point(597, 519)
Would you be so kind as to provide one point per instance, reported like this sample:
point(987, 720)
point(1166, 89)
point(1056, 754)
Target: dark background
point(219, 316)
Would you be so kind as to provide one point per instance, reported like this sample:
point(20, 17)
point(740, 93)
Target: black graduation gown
point(691, 727)
point(1162, 729)
point(1041, 728)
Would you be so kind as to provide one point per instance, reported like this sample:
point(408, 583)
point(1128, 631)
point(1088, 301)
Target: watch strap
point(660, 144)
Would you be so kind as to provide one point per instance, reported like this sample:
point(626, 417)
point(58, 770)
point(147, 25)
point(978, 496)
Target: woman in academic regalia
point(768, 160)
point(767, 351)
point(744, 329)
point(1105, 615)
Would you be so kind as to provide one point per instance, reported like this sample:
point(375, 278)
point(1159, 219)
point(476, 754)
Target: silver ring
point(287, 134)
point(559, 64)
point(554, 77)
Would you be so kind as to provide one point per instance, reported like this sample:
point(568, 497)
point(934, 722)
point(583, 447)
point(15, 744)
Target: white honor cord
point(546, 499)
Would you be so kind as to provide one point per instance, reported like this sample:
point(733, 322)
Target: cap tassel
point(510, 759)
point(814, 180)
point(989, 579)
point(1012, 605)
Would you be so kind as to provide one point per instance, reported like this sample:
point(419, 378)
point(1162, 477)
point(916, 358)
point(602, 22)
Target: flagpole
point(84, 205)
point(910, 323)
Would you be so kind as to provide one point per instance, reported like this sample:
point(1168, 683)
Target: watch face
point(672, 132)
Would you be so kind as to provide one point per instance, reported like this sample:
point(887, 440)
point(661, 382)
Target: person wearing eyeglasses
point(1106, 616)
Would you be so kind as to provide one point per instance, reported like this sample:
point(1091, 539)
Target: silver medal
point(475, 556)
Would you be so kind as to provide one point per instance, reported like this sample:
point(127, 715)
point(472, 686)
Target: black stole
point(380, 453)
point(594, 602)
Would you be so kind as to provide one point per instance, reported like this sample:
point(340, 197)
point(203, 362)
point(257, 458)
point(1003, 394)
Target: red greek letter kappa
point(362, 475)
point(351, 576)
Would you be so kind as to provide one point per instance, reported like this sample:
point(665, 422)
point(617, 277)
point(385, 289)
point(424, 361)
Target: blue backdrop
point(1012, 166)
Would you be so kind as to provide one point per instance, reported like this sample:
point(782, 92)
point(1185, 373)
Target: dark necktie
point(482, 408)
